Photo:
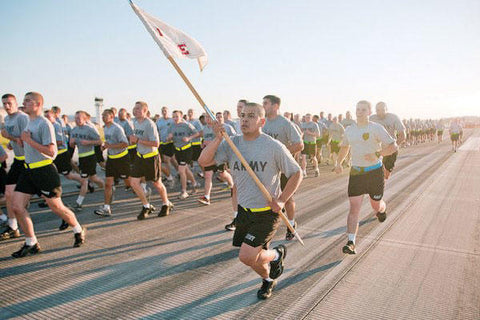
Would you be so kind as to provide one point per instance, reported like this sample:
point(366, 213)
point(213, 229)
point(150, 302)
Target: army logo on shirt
point(365, 136)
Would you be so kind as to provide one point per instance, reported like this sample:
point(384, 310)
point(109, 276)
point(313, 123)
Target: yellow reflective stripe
point(62, 151)
point(20, 158)
point(148, 155)
point(133, 146)
point(258, 209)
point(196, 143)
point(119, 155)
point(308, 142)
point(185, 147)
point(165, 143)
point(86, 154)
point(38, 164)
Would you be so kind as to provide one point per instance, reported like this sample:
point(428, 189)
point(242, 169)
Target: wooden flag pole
point(259, 184)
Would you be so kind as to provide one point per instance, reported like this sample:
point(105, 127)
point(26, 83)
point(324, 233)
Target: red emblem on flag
point(183, 49)
point(159, 32)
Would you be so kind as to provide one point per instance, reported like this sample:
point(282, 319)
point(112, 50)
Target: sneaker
point(349, 248)
point(165, 210)
point(381, 216)
point(183, 195)
point(42, 204)
point(79, 238)
point(266, 290)
point(200, 174)
point(75, 206)
point(63, 225)
point(231, 226)
point(144, 213)
point(26, 250)
point(127, 188)
point(276, 267)
point(90, 187)
point(289, 236)
point(103, 212)
point(9, 233)
point(204, 200)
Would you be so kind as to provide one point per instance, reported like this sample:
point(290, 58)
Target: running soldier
point(335, 131)
point(15, 122)
point(118, 159)
point(310, 133)
point(320, 141)
point(127, 127)
point(284, 131)
point(394, 126)
point(196, 142)
point(85, 137)
point(257, 220)
point(147, 163)
point(440, 127)
point(455, 130)
point(368, 142)
point(167, 150)
point(40, 177)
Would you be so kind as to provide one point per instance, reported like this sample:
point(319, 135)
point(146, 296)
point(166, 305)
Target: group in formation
point(140, 150)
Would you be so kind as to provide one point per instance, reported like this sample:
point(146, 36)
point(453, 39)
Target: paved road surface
point(422, 263)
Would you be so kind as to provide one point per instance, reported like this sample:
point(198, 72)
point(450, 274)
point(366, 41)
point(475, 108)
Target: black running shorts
point(215, 168)
point(133, 154)
point(334, 146)
point(167, 149)
point(118, 168)
point(196, 151)
point(309, 148)
point(16, 169)
point(371, 183)
point(148, 168)
point(88, 166)
point(184, 157)
point(43, 181)
point(389, 161)
point(255, 228)
point(63, 163)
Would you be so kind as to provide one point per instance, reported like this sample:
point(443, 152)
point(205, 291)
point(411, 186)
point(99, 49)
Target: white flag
point(173, 42)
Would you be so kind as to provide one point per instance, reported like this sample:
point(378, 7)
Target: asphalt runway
point(423, 262)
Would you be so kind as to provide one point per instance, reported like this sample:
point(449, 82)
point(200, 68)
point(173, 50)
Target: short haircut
point(243, 101)
point(227, 112)
point(178, 111)
point(8, 95)
point(109, 111)
point(56, 109)
point(273, 99)
point(365, 102)
point(201, 117)
point(259, 108)
point(48, 112)
point(219, 113)
point(142, 103)
point(36, 96)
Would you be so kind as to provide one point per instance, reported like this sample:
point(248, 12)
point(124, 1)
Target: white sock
point(106, 206)
point(12, 223)
point(351, 237)
point(144, 186)
point(207, 197)
point(277, 255)
point(268, 279)
point(31, 241)
point(235, 214)
point(147, 205)
point(292, 222)
point(3, 217)
point(80, 199)
point(167, 203)
point(77, 228)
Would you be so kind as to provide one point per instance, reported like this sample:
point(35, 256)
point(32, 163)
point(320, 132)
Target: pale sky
point(421, 57)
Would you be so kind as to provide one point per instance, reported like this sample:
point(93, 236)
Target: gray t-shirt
point(336, 131)
point(365, 140)
point(347, 122)
point(391, 123)
point(15, 124)
point(127, 127)
point(163, 126)
point(312, 126)
point(114, 134)
point(267, 157)
point(199, 127)
point(84, 133)
point(209, 134)
point(181, 130)
point(42, 133)
point(60, 136)
point(145, 130)
point(322, 128)
point(283, 130)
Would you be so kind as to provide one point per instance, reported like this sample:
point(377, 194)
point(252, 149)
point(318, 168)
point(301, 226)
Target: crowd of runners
point(177, 148)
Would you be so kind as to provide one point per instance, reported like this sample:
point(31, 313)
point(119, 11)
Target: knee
point(246, 259)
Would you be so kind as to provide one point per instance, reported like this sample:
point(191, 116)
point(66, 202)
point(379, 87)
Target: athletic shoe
point(165, 210)
point(381, 216)
point(90, 187)
point(204, 200)
point(289, 236)
point(63, 226)
point(144, 213)
point(79, 238)
point(183, 195)
point(349, 248)
point(200, 174)
point(26, 250)
point(103, 212)
point(231, 226)
point(127, 188)
point(276, 267)
point(42, 204)
point(266, 290)
point(75, 206)
point(9, 233)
